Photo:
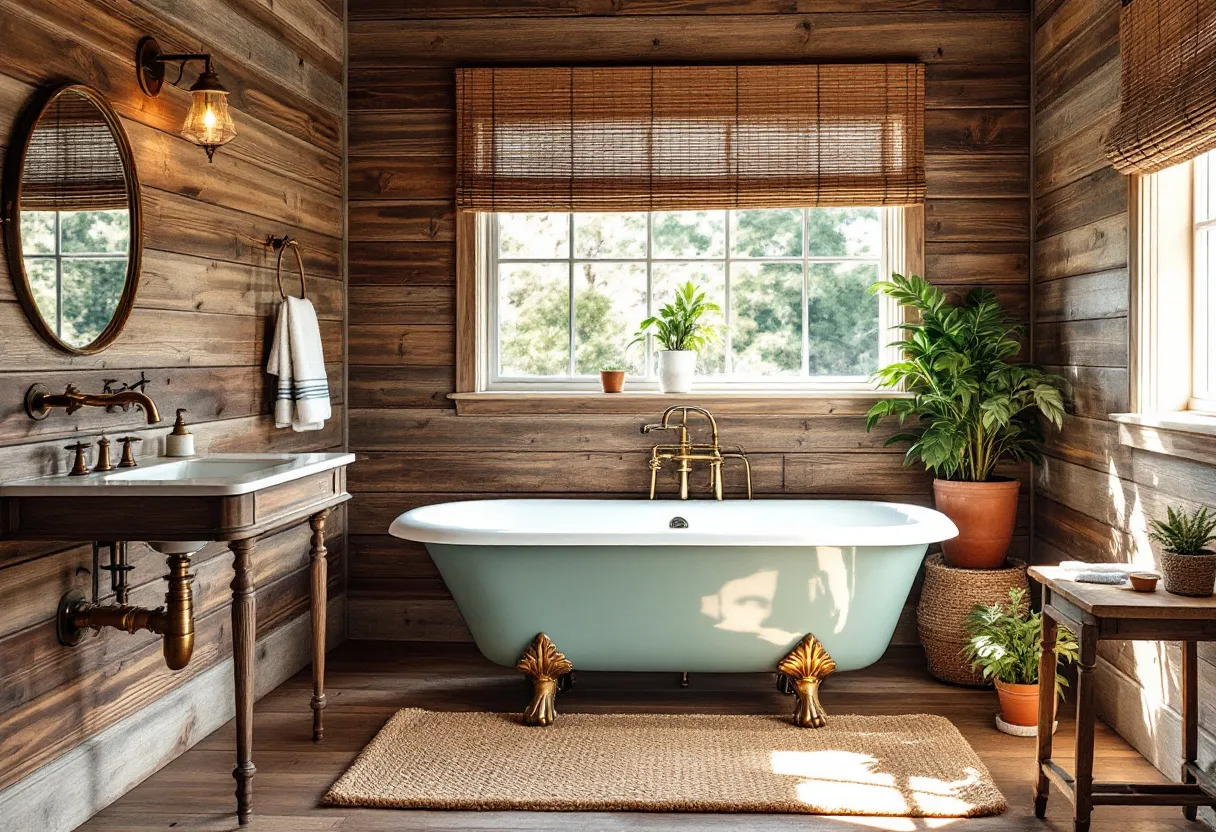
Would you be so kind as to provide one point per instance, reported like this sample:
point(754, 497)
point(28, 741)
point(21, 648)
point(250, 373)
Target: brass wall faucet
point(39, 402)
point(684, 453)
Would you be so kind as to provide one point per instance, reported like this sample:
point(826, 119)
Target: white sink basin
point(221, 475)
point(207, 468)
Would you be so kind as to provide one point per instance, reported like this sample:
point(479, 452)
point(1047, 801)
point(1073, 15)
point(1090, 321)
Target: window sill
point(528, 403)
point(1188, 434)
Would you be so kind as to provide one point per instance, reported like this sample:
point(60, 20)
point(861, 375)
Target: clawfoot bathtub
point(678, 586)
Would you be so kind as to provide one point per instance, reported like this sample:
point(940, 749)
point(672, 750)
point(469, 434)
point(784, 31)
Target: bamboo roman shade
point(684, 137)
point(1168, 110)
point(73, 162)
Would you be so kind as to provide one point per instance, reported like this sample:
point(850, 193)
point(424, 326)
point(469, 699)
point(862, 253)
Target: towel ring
point(281, 244)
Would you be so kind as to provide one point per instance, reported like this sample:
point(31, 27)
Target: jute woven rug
point(913, 766)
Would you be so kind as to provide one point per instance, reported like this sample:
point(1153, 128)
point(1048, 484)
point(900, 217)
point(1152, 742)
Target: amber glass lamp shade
point(208, 124)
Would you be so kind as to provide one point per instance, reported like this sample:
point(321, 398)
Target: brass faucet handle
point(80, 468)
point(128, 456)
point(103, 456)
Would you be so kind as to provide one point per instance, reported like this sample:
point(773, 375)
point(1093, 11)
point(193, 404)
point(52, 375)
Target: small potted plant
point(612, 379)
point(682, 328)
point(1005, 643)
point(1188, 566)
point(970, 408)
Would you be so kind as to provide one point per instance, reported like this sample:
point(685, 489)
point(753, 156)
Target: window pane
point(534, 236)
point(844, 232)
point(41, 274)
point(534, 319)
point(609, 303)
point(842, 319)
point(689, 234)
point(38, 232)
point(766, 318)
point(766, 233)
point(1205, 271)
point(610, 235)
point(94, 232)
point(91, 291)
point(711, 278)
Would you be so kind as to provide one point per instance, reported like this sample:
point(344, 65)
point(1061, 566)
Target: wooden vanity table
point(156, 513)
point(1094, 612)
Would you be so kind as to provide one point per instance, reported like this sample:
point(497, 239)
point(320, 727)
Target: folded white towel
point(302, 400)
point(1080, 565)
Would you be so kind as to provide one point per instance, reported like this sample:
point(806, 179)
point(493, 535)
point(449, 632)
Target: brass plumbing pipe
point(174, 622)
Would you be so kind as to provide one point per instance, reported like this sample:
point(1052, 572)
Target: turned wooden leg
point(1047, 714)
point(1190, 717)
point(244, 631)
point(319, 577)
point(806, 666)
point(1084, 775)
point(544, 665)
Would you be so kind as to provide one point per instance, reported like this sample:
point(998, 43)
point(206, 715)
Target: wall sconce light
point(208, 124)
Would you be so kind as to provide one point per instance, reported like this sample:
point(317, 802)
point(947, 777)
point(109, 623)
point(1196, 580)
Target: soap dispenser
point(181, 441)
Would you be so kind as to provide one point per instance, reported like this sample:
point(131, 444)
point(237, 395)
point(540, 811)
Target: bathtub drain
point(678, 523)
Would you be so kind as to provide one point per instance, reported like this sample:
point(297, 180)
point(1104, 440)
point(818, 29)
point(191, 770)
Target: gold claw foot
point(806, 666)
point(544, 665)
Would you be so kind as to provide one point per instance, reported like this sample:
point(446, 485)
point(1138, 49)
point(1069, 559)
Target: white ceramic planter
point(676, 369)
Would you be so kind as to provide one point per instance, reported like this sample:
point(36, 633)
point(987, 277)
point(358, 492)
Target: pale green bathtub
point(616, 588)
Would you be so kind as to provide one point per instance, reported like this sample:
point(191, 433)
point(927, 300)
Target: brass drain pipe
point(174, 622)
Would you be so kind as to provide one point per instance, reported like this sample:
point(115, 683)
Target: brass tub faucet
point(685, 453)
point(39, 402)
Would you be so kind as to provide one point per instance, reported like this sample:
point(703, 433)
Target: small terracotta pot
point(1019, 704)
point(613, 381)
point(1144, 581)
point(984, 513)
point(1189, 575)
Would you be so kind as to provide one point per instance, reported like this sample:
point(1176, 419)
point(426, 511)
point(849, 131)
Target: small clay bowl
point(1144, 581)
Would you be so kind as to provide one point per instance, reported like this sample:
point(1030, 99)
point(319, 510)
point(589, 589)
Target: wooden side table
point(1095, 612)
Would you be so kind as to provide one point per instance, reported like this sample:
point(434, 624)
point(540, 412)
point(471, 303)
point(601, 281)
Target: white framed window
point(560, 295)
point(1173, 291)
point(1203, 240)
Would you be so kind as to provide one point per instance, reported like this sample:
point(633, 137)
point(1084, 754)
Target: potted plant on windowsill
point(970, 408)
point(1188, 566)
point(1005, 644)
point(682, 328)
point(612, 379)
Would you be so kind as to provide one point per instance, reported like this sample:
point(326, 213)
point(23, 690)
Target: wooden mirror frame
point(10, 215)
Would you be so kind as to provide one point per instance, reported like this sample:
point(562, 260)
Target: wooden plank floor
point(368, 681)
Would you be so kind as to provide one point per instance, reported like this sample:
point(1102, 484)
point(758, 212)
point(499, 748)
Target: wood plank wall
point(1093, 494)
point(414, 450)
point(200, 329)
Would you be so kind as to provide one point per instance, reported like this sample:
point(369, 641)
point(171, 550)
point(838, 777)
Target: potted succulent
point(970, 408)
point(1188, 566)
point(1005, 644)
point(612, 379)
point(682, 328)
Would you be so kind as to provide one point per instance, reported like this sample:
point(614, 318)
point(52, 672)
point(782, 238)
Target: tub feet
point(806, 666)
point(544, 665)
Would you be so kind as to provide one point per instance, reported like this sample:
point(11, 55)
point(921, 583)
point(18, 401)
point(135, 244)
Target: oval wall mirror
point(72, 220)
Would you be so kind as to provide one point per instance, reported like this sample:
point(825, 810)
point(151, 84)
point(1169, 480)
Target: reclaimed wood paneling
point(200, 330)
point(415, 450)
point(1094, 494)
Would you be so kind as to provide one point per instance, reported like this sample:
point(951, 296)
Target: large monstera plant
point(971, 406)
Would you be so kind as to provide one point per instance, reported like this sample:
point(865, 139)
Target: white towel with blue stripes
point(302, 399)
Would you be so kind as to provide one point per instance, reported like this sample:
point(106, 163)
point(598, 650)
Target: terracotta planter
point(1189, 575)
point(984, 513)
point(1019, 704)
point(612, 381)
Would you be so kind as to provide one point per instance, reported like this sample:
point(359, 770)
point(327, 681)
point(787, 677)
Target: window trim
point(472, 396)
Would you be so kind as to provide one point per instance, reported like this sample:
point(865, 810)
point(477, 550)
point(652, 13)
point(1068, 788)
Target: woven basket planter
point(1190, 575)
point(945, 602)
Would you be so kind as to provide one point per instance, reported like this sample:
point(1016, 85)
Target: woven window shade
point(73, 162)
point(1168, 110)
point(684, 138)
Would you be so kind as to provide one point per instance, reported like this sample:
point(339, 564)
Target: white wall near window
point(563, 295)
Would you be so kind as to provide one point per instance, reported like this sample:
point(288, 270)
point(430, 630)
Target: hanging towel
point(302, 400)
